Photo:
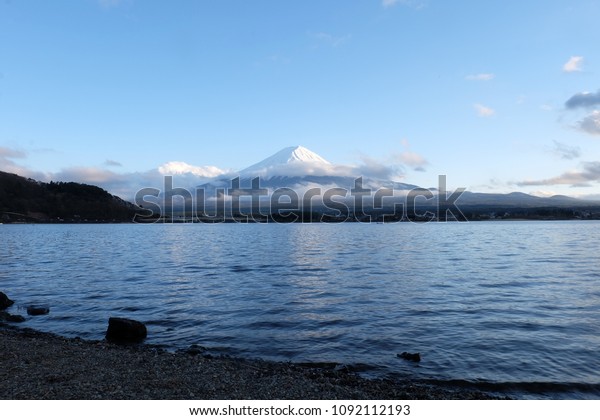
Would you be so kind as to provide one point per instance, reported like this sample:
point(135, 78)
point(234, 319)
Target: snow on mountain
point(291, 161)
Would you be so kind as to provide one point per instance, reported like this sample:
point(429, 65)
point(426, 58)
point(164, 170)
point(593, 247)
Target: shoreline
point(43, 366)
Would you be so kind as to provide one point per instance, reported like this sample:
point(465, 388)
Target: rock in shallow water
point(38, 310)
point(123, 330)
point(413, 357)
point(5, 302)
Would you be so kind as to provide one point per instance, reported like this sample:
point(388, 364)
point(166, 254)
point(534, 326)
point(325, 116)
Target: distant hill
point(28, 200)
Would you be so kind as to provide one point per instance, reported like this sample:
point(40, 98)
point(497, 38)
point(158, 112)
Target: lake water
point(513, 306)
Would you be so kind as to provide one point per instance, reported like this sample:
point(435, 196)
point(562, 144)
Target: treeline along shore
point(24, 200)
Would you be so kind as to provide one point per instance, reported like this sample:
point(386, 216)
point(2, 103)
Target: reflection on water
point(512, 302)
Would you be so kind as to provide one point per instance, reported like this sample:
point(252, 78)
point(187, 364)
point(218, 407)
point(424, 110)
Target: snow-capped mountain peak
point(290, 156)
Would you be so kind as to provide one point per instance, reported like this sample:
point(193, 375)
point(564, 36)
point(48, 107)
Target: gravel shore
point(35, 365)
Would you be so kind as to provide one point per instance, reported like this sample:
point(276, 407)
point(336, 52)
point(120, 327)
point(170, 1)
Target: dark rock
point(5, 302)
point(123, 330)
point(38, 310)
point(195, 350)
point(413, 357)
point(5, 316)
point(15, 318)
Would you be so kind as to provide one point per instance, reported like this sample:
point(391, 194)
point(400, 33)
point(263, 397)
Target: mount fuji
point(298, 167)
point(299, 181)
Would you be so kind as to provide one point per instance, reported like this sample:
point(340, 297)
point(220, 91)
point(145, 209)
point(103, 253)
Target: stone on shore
point(123, 330)
point(5, 302)
point(37, 310)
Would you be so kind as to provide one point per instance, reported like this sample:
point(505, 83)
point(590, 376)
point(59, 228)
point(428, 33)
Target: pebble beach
point(43, 366)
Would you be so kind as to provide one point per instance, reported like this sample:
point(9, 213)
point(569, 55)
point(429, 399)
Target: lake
point(513, 306)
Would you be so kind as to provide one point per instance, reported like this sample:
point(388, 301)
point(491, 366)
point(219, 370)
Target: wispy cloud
point(374, 168)
point(413, 160)
point(582, 178)
point(481, 77)
point(583, 100)
point(110, 162)
point(5, 152)
point(416, 4)
point(109, 3)
point(388, 3)
point(564, 151)
point(484, 111)
point(574, 64)
point(8, 163)
point(331, 40)
point(409, 158)
point(590, 124)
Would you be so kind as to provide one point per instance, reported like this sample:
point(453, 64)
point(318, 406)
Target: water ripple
point(511, 306)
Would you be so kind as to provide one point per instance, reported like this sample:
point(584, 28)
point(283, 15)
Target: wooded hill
point(28, 200)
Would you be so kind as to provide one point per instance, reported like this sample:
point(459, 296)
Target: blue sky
point(499, 96)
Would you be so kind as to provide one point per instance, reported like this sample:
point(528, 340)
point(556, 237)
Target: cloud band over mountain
point(589, 173)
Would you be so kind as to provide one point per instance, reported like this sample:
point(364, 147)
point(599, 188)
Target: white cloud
point(484, 111)
point(574, 64)
point(182, 168)
point(482, 77)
